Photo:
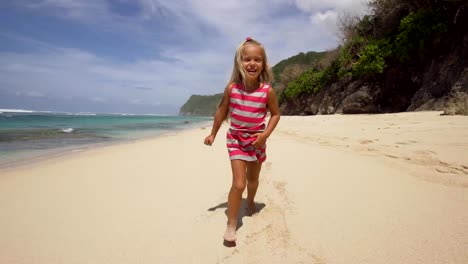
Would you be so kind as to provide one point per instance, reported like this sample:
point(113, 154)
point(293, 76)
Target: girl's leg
point(235, 197)
point(253, 174)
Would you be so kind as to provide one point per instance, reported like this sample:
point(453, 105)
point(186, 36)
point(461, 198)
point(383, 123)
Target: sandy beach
point(390, 188)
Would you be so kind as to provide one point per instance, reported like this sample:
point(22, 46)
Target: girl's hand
point(209, 140)
point(260, 140)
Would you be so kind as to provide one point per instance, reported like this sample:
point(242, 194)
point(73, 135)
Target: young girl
point(247, 98)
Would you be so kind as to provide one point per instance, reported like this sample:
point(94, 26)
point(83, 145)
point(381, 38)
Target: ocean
point(29, 135)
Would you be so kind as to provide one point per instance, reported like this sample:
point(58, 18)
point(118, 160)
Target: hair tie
point(247, 39)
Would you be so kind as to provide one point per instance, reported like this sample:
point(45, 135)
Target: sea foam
point(67, 130)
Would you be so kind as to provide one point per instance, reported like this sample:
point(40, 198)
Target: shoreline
point(68, 152)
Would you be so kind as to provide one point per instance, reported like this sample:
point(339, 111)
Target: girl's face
point(252, 61)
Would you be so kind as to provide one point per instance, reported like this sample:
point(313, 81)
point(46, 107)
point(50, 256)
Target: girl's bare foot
point(230, 234)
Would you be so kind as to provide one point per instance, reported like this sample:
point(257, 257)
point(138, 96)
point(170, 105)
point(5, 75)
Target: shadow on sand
point(242, 212)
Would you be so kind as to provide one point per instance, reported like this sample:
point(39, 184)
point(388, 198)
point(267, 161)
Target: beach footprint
point(366, 141)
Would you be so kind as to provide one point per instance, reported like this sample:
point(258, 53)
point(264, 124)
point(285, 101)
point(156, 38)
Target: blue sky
point(145, 56)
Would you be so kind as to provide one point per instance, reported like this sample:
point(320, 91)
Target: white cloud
point(322, 17)
point(276, 23)
point(312, 6)
point(326, 21)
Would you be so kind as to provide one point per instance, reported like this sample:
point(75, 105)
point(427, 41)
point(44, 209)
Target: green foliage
point(365, 25)
point(363, 55)
point(415, 31)
point(344, 63)
point(307, 59)
point(371, 60)
point(348, 54)
point(309, 82)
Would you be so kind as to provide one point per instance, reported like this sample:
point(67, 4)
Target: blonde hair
point(238, 73)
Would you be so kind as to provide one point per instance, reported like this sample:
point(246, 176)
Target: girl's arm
point(274, 112)
point(274, 119)
point(220, 116)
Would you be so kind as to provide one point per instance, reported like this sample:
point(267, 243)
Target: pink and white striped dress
point(248, 116)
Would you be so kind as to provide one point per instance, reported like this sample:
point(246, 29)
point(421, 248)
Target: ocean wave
point(16, 111)
point(85, 114)
point(67, 130)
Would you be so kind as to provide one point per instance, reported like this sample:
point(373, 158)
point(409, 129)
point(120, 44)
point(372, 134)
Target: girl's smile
point(252, 61)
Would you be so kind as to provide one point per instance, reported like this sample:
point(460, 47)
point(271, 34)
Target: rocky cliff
point(433, 77)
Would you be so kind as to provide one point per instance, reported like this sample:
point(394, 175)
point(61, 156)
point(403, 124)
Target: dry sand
point(389, 188)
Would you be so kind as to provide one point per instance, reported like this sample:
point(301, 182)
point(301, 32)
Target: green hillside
point(201, 105)
point(289, 69)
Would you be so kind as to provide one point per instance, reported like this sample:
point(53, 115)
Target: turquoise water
point(31, 135)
